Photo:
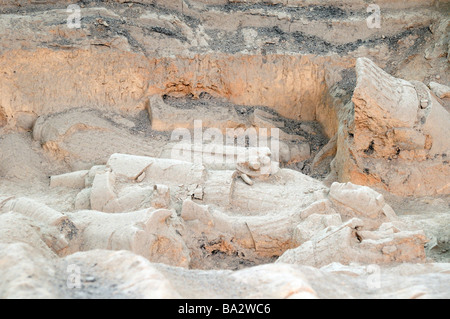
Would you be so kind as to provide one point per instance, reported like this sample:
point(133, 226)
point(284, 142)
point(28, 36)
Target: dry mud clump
point(98, 200)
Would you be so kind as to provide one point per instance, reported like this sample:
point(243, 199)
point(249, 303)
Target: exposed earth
point(345, 194)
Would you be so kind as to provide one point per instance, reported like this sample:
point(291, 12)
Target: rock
point(441, 91)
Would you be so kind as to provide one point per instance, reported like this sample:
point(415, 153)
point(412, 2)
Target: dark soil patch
point(311, 131)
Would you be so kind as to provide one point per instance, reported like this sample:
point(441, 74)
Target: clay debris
point(141, 216)
point(129, 167)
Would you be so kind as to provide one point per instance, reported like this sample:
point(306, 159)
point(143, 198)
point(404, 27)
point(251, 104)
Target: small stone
point(141, 177)
point(247, 179)
point(90, 279)
point(424, 104)
point(198, 193)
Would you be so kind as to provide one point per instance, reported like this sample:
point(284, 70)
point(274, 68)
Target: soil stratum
point(224, 149)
